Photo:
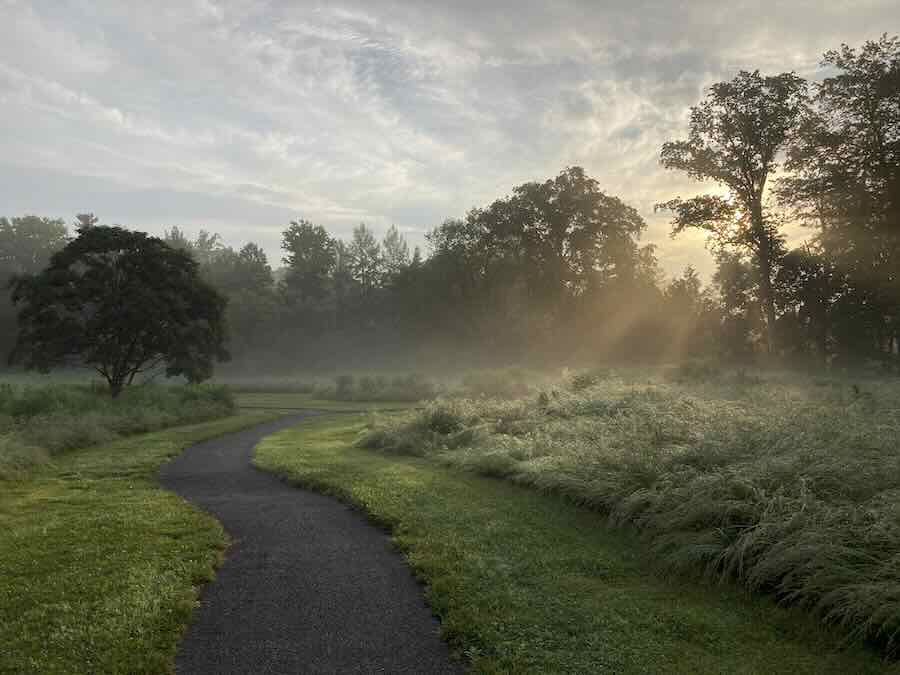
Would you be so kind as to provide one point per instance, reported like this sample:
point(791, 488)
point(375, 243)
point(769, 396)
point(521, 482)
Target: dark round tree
point(123, 303)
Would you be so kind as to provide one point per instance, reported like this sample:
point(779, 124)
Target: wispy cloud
point(237, 115)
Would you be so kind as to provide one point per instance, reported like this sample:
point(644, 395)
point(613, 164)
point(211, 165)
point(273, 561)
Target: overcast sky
point(239, 116)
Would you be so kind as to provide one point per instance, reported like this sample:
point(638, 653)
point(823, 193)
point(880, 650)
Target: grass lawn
point(99, 565)
point(525, 582)
point(285, 401)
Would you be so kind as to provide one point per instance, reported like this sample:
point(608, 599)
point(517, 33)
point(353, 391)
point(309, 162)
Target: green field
point(98, 565)
point(526, 583)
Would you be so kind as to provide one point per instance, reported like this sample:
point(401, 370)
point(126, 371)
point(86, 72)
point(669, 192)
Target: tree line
point(555, 270)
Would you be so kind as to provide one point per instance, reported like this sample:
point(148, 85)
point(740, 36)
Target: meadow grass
point(99, 566)
point(530, 583)
point(287, 401)
point(788, 485)
point(40, 422)
point(392, 387)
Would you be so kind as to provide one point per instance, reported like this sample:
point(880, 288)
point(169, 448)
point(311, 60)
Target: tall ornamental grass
point(792, 488)
point(39, 422)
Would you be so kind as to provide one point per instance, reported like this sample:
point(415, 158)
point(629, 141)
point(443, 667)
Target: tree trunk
point(766, 296)
point(764, 261)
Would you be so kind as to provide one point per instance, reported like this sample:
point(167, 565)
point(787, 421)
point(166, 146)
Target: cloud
point(239, 115)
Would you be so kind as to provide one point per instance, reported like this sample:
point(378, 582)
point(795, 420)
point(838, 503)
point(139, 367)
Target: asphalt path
point(308, 586)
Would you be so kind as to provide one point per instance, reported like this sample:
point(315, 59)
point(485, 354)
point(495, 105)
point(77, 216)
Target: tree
point(365, 262)
point(845, 181)
point(122, 303)
point(565, 233)
point(310, 259)
point(245, 278)
point(738, 295)
point(395, 253)
point(26, 244)
point(737, 135)
point(808, 286)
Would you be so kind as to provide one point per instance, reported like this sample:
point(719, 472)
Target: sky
point(238, 117)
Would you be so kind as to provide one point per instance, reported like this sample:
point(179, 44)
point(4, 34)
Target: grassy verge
point(37, 423)
point(526, 583)
point(789, 486)
point(98, 565)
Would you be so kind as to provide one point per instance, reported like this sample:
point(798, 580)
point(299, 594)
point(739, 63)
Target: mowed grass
point(98, 565)
point(529, 583)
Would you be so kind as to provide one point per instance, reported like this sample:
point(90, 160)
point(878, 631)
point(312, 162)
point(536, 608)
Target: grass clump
point(37, 423)
point(788, 488)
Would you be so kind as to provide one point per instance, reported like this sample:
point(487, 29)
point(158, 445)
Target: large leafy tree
point(565, 233)
point(736, 139)
point(122, 303)
point(845, 181)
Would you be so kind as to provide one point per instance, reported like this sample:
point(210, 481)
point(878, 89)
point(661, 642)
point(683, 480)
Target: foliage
point(845, 181)
point(42, 422)
point(122, 303)
point(736, 136)
point(26, 244)
point(309, 260)
point(787, 488)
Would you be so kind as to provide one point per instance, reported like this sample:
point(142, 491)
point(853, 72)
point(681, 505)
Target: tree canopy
point(122, 303)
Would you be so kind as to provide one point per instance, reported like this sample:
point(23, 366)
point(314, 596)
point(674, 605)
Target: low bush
point(789, 488)
point(39, 422)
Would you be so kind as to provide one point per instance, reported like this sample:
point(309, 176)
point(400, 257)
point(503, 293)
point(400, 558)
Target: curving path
point(308, 585)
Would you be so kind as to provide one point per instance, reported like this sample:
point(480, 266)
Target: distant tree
point(245, 270)
point(204, 249)
point(395, 253)
point(342, 283)
point(122, 303)
point(246, 279)
point(564, 233)
point(737, 288)
point(309, 260)
point(737, 135)
point(86, 220)
point(26, 244)
point(808, 286)
point(365, 261)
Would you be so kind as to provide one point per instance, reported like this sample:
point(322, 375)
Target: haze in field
point(238, 117)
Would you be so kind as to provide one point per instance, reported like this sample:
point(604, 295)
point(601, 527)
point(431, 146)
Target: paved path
point(308, 586)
